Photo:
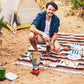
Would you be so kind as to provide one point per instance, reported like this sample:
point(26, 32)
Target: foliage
point(78, 4)
point(1, 23)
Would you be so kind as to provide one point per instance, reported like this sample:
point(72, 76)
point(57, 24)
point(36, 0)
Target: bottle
point(14, 25)
point(72, 52)
point(47, 48)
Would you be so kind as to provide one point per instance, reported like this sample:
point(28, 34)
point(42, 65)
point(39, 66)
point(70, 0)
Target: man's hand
point(46, 37)
point(52, 45)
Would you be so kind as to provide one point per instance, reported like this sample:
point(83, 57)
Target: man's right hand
point(46, 37)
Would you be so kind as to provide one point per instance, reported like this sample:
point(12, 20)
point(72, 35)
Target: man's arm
point(36, 31)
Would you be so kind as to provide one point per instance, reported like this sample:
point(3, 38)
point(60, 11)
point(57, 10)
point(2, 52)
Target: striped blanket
point(71, 60)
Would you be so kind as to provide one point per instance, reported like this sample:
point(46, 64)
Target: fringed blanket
point(67, 60)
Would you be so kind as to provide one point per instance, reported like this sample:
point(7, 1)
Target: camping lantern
point(35, 57)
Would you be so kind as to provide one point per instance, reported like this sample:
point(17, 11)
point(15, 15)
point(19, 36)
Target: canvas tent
point(20, 11)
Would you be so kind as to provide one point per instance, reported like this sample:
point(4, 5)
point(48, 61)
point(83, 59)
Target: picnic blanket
point(71, 60)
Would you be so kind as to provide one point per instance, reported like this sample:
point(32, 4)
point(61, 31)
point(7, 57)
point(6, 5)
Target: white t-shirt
point(47, 27)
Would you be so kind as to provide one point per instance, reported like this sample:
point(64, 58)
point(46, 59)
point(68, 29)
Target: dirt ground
point(14, 45)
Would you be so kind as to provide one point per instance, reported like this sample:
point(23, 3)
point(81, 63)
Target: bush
point(1, 21)
point(78, 4)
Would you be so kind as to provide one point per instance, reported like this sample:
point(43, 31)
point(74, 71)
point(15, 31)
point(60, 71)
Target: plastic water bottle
point(14, 25)
point(72, 51)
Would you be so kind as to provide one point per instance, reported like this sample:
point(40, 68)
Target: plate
point(74, 57)
point(11, 76)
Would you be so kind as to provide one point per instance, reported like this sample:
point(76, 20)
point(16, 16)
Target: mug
point(2, 72)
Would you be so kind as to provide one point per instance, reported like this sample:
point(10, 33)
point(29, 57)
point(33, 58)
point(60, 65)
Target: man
point(44, 28)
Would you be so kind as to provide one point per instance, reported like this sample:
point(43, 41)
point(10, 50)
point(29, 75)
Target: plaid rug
point(67, 60)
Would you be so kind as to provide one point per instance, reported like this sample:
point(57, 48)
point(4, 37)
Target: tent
point(21, 12)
